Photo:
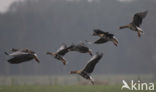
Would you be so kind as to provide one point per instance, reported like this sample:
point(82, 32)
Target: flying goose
point(136, 22)
point(104, 37)
point(86, 72)
point(20, 56)
point(60, 53)
point(82, 48)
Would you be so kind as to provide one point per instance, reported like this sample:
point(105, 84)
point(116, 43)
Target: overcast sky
point(4, 4)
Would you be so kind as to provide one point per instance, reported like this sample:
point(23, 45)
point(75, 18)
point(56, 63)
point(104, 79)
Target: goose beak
point(6, 53)
point(94, 34)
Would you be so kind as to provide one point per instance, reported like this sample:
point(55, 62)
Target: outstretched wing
point(62, 50)
point(98, 31)
point(92, 62)
point(14, 50)
point(101, 40)
point(17, 53)
point(138, 18)
point(21, 58)
point(62, 47)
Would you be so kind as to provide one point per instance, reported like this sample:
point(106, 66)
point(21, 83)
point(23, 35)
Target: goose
point(136, 22)
point(20, 56)
point(104, 37)
point(81, 47)
point(86, 72)
point(60, 53)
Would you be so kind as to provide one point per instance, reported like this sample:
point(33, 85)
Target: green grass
point(73, 88)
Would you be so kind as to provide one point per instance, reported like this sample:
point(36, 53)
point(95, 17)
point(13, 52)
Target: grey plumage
point(92, 62)
point(88, 69)
point(138, 18)
point(60, 53)
point(82, 48)
point(20, 56)
point(104, 37)
point(136, 22)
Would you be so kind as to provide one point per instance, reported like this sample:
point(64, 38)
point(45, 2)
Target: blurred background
point(43, 25)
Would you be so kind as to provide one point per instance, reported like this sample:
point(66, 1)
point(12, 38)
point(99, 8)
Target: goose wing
point(21, 58)
point(138, 18)
point(62, 50)
point(80, 48)
point(17, 53)
point(62, 47)
point(92, 62)
point(98, 31)
point(101, 40)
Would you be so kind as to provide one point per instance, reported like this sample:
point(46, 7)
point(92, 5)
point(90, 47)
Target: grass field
point(105, 83)
point(73, 88)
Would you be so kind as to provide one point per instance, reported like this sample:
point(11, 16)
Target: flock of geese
point(24, 55)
